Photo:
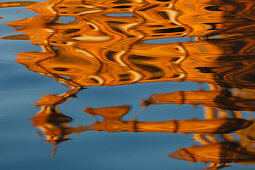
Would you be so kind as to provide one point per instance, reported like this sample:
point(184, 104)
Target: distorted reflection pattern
point(105, 43)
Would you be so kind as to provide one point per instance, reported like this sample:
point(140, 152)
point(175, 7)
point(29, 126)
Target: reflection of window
point(206, 69)
point(123, 6)
point(150, 7)
point(213, 26)
point(94, 80)
point(69, 31)
point(137, 60)
point(121, 2)
point(110, 55)
point(213, 8)
point(176, 75)
point(124, 77)
point(61, 69)
point(170, 30)
point(163, 15)
point(174, 59)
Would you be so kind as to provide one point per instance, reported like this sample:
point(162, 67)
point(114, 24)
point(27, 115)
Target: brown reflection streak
point(84, 44)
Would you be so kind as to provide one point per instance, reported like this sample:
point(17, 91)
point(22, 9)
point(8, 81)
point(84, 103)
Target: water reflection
point(103, 43)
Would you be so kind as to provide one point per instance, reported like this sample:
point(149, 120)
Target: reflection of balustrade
point(112, 122)
point(221, 99)
point(221, 150)
point(56, 126)
point(218, 154)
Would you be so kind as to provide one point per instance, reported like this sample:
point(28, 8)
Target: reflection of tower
point(53, 124)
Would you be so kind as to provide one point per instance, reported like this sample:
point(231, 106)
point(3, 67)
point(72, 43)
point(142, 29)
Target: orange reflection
point(104, 43)
point(222, 150)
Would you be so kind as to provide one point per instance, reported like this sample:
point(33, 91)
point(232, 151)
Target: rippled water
point(175, 79)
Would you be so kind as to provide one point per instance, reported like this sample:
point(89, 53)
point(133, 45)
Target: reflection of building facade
point(200, 61)
point(97, 49)
point(160, 19)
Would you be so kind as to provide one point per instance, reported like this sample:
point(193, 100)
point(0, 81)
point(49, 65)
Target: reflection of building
point(98, 49)
point(95, 48)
